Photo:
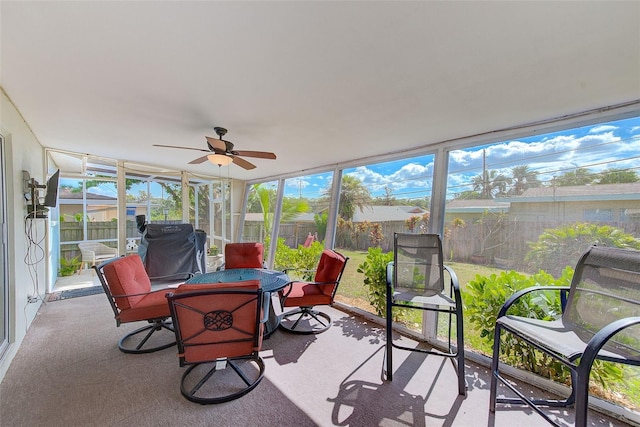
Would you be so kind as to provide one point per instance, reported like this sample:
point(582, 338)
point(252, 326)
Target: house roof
point(476, 206)
point(597, 192)
point(67, 194)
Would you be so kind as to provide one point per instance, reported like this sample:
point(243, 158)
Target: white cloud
point(603, 128)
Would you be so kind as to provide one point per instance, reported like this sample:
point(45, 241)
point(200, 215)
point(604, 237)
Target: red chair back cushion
point(243, 255)
point(127, 276)
point(329, 269)
point(197, 319)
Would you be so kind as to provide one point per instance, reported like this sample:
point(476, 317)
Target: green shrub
point(558, 247)
point(299, 258)
point(374, 269)
point(69, 266)
point(483, 298)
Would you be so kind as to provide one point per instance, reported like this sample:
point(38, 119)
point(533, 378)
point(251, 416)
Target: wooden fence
point(494, 240)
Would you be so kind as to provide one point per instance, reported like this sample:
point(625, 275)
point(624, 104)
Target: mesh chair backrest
point(605, 288)
point(219, 320)
point(418, 266)
point(243, 255)
point(330, 268)
point(126, 276)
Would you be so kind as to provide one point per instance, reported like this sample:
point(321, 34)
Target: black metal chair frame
point(589, 345)
point(262, 313)
point(323, 319)
point(138, 343)
point(452, 307)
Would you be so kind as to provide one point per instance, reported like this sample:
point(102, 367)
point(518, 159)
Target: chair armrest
point(454, 278)
point(390, 273)
point(519, 294)
point(88, 255)
point(266, 300)
point(598, 341)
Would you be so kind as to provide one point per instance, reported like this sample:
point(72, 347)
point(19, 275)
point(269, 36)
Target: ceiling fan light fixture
point(220, 159)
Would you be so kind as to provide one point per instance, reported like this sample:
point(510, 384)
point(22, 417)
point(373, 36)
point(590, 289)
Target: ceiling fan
point(221, 152)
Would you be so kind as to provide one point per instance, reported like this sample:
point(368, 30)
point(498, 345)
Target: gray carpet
point(69, 372)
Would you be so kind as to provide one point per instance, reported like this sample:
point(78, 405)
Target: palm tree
point(490, 183)
point(523, 179)
point(353, 194)
point(290, 207)
point(579, 176)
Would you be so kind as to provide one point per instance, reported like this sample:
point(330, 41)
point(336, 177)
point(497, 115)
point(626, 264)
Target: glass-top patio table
point(270, 281)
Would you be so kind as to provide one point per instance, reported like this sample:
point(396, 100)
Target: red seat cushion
point(150, 306)
point(304, 294)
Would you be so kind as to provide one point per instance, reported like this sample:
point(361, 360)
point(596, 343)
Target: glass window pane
point(538, 203)
point(258, 221)
point(380, 199)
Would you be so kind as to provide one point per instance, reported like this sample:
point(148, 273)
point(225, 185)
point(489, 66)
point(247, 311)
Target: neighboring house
point(99, 207)
point(387, 213)
point(598, 203)
point(473, 209)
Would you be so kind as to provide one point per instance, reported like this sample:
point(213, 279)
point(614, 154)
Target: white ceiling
point(315, 82)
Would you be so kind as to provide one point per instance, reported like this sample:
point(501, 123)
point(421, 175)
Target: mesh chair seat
point(420, 300)
point(553, 336)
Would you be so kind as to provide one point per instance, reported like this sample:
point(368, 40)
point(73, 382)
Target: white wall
point(23, 152)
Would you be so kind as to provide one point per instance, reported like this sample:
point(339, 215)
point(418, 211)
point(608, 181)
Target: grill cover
point(173, 251)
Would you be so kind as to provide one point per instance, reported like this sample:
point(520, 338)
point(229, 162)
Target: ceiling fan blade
point(183, 148)
point(243, 163)
point(258, 154)
point(198, 160)
point(217, 143)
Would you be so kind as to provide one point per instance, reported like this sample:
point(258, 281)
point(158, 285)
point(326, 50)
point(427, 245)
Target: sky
point(597, 148)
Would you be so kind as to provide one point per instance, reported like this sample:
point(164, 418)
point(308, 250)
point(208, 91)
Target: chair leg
point(133, 344)
point(198, 393)
point(462, 385)
point(389, 336)
point(493, 390)
point(322, 321)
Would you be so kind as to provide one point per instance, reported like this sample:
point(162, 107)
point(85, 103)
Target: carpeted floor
point(69, 372)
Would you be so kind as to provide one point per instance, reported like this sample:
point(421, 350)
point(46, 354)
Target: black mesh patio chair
point(598, 322)
point(416, 280)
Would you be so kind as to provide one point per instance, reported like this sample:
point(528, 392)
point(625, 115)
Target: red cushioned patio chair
point(128, 288)
point(219, 329)
point(305, 295)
